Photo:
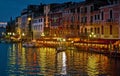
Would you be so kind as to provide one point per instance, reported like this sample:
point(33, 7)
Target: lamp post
point(30, 33)
point(42, 36)
point(91, 35)
point(23, 36)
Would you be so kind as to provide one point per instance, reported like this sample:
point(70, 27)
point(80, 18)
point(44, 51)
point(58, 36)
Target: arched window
point(102, 31)
point(91, 30)
point(110, 29)
point(111, 14)
point(95, 30)
point(85, 30)
point(98, 30)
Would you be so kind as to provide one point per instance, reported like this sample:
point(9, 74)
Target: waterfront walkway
point(100, 46)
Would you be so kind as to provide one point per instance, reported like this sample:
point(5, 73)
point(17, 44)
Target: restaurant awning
point(98, 41)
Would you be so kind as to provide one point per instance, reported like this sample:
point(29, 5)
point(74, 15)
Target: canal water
point(16, 60)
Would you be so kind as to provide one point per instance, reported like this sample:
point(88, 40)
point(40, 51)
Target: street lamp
point(92, 35)
point(23, 34)
point(42, 34)
point(10, 33)
point(29, 19)
point(13, 34)
point(64, 40)
point(30, 28)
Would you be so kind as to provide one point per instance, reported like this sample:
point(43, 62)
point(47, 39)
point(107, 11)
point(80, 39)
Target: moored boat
point(31, 45)
point(61, 48)
point(71, 48)
point(27, 44)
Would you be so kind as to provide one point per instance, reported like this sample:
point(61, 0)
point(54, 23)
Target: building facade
point(101, 20)
point(72, 19)
point(24, 22)
point(38, 27)
point(110, 27)
point(3, 28)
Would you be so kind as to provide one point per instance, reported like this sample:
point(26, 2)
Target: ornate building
point(78, 19)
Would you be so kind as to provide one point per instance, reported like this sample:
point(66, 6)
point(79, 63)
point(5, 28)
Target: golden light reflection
point(12, 54)
point(23, 59)
point(45, 60)
point(12, 58)
point(13, 47)
point(92, 66)
point(42, 58)
point(95, 63)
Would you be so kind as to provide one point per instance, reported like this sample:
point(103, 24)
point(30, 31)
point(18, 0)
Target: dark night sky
point(12, 8)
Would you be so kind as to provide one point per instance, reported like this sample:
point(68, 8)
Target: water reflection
point(92, 66)
point(47, 62)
